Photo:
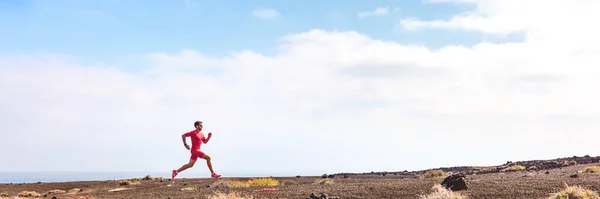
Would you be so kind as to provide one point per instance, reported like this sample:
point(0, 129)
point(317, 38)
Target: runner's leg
point(193, 159)
point(187, 166)
point(209, 164)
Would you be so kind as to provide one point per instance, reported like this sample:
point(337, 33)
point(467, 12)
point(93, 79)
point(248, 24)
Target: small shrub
point(435, 174)
point(129, 182)
point(592, 169)
point(148, 177)
point(28, 194)
point(574, 192)
point(263, 182)
point(515, 168)
point(254, 182)
point(232, 195)
point(324, 181)
point(238, 184)
point(440, 192)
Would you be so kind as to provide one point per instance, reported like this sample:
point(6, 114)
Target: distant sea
point(34, 177)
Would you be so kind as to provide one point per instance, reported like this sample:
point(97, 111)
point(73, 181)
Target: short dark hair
point(197, 123)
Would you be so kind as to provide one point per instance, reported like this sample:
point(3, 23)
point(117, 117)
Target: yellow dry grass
point(255, 182)
point(515, 168)
point(129, 182)
point(28, 194)
point(440, 192)
point(324, 181)
point(435, 174)
point(575, 192)
point(592, 169)
point(188, 189)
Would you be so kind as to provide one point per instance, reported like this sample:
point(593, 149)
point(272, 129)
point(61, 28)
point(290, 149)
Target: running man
point(197, 138)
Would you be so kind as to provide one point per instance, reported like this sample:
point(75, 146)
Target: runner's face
point(199, 127)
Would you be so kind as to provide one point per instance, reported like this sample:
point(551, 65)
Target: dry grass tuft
point(439, 192)
point(435, 174)
point(232, 195)
point(254, 182)
point(515, 168)
point(129, 182)
point(592, 169)
point(188, 189)
point(574, 192)
point(324, 181)
point(28, 194)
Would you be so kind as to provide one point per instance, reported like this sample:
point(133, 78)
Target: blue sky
point(109, 29)
point(113, 84)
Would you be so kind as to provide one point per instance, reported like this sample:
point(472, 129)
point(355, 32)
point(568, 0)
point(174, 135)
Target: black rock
point(547, 172)
point(574, 176)
point(455, 182)
point(323, 196)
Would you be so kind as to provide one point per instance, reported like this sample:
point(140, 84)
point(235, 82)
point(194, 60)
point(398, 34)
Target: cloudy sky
point(296, 87)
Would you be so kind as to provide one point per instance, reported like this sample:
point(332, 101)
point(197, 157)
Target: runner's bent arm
point(205, 140)
point(183, 138)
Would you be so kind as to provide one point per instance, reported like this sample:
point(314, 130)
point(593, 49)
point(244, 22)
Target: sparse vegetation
point(592, 169)
point(439, 192)
point(575, 192)
point(515, 168)
point(324, 181)
point(188, 189)
point(28, 194)
point(254, 182)
point(435, 174)
point(129, 182)
point(232, 195)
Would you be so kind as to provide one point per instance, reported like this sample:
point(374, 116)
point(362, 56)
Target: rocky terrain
point(530, 165)
point(538, 179)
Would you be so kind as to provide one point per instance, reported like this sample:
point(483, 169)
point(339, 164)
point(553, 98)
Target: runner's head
point(198, 125)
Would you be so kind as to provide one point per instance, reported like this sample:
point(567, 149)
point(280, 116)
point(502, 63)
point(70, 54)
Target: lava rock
point(455, 182)
point(574, 176)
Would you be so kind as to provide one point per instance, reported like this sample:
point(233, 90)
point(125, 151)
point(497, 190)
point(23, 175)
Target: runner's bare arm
point(205, 140)
point(183, 139)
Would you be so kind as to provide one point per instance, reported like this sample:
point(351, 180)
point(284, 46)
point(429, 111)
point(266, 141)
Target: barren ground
point(513, 185)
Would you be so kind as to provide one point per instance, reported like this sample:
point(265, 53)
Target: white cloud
point(326, 97)
point(381, 11)
point(508, 16)
point(265, 13)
